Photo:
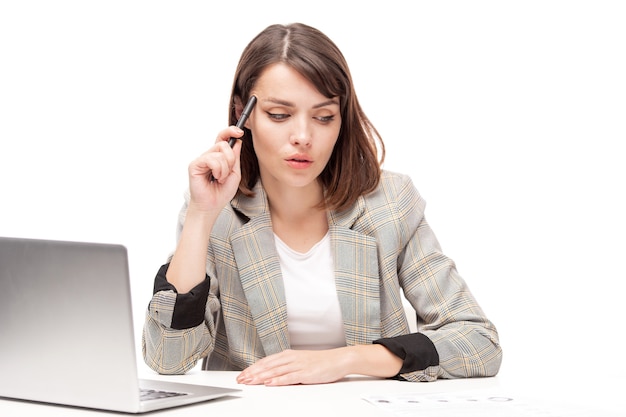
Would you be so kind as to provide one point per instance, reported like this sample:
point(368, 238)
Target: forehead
point(283, 82)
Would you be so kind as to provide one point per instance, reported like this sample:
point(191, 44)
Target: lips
point(299, 161)
point(299, 158)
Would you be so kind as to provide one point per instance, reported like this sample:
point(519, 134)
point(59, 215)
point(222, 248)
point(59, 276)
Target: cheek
point(264, 134)
point(267, 149)
point(330, 139)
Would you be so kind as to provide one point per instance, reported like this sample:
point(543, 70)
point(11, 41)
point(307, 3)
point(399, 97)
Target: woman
point(294, 246)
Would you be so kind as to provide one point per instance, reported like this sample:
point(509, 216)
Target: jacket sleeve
point(179, 328)
point(416, 350)
point(466, 341)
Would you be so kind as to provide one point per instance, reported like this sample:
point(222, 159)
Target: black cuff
point(190, 307)
point(416, 350)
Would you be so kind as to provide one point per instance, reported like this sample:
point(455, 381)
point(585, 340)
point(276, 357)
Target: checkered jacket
point(381, 246)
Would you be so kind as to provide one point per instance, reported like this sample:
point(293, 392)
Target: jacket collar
point(251, 206)
point(258, 205)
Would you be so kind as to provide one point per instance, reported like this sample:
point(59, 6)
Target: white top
point(313, 314)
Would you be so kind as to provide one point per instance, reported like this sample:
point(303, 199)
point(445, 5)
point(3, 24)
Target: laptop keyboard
point(153, 394)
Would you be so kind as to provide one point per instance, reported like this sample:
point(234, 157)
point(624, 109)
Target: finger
point(200, 166)
point(221, 170)
point(253, 371)
point(282, 380)
point(237, 155)
point(229, 132)
point(281, 375)
point(205, 163)
point(269, 368)
point(219, 160)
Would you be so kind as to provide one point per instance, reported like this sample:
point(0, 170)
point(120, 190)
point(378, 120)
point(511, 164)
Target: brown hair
point(354, 168)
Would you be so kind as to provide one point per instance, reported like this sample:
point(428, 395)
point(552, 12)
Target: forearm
point(188, 265)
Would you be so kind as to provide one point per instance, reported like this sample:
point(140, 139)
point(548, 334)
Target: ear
point(239, 110)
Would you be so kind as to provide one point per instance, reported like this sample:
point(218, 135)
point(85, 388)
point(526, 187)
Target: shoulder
point(395, 205)
point(395, 191)
point(241, 210)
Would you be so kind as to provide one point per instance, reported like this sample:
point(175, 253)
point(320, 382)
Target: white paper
point(474, 404)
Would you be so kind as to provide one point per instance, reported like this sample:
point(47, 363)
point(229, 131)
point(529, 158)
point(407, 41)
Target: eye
point(277, 116)
point(326, 119)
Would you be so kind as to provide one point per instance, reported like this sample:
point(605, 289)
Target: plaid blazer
point(381, 246)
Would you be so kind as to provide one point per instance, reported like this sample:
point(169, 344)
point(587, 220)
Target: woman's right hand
point(214, 176)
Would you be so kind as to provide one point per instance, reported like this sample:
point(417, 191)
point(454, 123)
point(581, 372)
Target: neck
point(296, 216)
point(294, 203)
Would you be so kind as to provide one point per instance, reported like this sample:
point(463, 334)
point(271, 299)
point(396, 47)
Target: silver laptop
point(66, 330)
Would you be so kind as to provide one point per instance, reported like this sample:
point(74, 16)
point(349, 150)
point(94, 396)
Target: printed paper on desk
point(473, 404)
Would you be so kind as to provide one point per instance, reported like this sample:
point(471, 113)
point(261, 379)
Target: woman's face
point(294, 127)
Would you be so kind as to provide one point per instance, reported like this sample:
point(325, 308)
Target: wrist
point(201, 211)
point(200, 219)
point(371, 360)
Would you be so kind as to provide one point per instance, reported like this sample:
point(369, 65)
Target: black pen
point(242, 121)
point(244, 117)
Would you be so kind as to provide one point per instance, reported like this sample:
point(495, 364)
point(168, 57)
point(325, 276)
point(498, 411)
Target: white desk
point(343, 397)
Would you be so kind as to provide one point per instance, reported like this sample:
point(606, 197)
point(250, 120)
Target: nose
point(302, 133)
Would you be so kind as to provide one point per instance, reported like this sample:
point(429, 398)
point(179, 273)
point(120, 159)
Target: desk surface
point(346, 397)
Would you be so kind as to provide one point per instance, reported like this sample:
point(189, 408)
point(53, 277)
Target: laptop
point(66, 330)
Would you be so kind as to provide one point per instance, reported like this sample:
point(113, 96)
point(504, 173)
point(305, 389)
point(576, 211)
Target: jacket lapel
point(261, 279)
point(357, 282)
point(260, 273)
point(356, 276)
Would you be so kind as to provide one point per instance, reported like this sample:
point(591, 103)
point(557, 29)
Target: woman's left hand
point(296, 367)
point(292, 367)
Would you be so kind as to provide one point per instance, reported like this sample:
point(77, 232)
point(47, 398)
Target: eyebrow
point(290, 104)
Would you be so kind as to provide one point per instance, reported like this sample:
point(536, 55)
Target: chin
point(301, 180)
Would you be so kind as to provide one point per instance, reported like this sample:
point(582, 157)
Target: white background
point(509, 116)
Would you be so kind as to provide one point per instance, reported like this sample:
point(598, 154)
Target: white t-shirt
point(313, 314)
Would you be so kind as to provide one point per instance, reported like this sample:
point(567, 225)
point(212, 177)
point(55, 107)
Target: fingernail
point(244, 380)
